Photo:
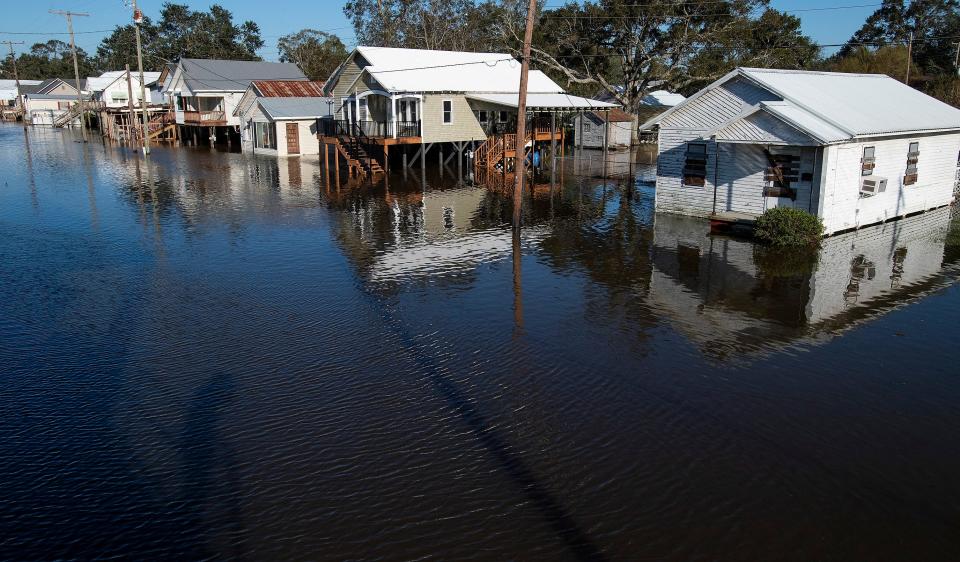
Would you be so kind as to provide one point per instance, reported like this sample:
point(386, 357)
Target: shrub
point(783, 226)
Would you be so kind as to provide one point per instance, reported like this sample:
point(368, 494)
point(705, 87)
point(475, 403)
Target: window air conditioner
point(872, 185)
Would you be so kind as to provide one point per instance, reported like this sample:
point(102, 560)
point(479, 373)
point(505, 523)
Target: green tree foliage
point(935, 24)
point(788, 227)
point(464, 25)
point(890, 60)
point(316, 53)
point(182, 32)
point(629, 48)
point(52, 59)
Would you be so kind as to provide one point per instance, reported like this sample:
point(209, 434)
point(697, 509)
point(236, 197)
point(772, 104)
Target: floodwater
point(212, 355)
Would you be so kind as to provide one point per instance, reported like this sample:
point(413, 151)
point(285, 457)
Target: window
point(869, 161)
point(482, 116)
point(447, 112)
point(504, 117)
point(783, 169)
point(180, 105)
point(264, 135)
point(363, 109)
point(695, 167)
point(913, 156)
point(587, 126)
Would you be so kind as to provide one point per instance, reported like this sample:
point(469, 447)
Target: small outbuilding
point(852, 149)
point(281, 117)
point(591, 126)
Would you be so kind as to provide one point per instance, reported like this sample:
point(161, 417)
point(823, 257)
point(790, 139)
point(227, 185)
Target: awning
point(544, 101)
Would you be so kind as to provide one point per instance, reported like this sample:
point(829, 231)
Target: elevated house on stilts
point(438, 104)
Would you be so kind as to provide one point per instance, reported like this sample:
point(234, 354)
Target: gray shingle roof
point(205, 75)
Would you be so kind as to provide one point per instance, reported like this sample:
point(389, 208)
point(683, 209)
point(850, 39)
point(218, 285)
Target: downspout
point(716, 172)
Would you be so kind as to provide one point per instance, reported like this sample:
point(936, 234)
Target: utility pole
point(137, 19)
point(520, 161)
point(16, 77)
point(76, 68)
point(956, 60)
point(133, 114)
point(909, 58)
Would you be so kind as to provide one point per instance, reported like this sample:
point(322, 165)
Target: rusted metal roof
point(289, 88)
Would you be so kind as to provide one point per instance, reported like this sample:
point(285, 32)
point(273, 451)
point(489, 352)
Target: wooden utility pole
point(16, 77)
point(76, 68)
point(520, 161)
point(956, 60)
point(137, 19)
point(909, 58)
point(133, 113)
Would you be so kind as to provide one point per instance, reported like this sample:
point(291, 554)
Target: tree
point(52, 59)
point(627, 48)
point(460, 25)
point(935, 25)
point(316, 53)
point(182, 32)
point(890, 60)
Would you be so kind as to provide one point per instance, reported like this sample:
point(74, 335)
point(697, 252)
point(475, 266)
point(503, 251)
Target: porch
point(382, 132)
point(207, 111)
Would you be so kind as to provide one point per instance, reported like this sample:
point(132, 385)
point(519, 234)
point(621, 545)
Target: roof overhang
point(542, 101)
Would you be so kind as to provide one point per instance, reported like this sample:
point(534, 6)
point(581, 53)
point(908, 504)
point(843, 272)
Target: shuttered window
point(695, 166)
point(869, 161)
point(783, 169)
point(913, 156)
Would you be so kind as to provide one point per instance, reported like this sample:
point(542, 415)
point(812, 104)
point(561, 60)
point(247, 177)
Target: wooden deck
point(730, 221)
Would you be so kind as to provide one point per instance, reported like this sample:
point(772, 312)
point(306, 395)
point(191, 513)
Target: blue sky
point(278, 17)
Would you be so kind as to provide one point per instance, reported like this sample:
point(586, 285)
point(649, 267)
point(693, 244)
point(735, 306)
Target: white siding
point(843, 208)
point(691, 122)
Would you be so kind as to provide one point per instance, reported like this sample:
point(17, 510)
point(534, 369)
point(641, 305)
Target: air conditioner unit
point(872, 185)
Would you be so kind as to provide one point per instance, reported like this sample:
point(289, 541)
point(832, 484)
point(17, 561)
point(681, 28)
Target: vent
point(872, 185)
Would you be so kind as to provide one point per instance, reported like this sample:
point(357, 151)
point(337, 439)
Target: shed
point(618, 125)
point(852, 149)
point(284, 126)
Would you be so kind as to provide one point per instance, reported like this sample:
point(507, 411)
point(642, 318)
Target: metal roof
point(816, 127)
point(421, 70)
point(543, 101)
point(280, 109)
point(215, 75)
point(857, 104)
point(289, 88)
point(662, 98)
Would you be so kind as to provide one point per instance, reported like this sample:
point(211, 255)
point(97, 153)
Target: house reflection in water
point(731, 297)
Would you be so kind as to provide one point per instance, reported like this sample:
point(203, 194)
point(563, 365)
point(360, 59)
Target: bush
point(783, 226)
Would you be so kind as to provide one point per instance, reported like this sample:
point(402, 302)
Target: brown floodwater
point(214, 355)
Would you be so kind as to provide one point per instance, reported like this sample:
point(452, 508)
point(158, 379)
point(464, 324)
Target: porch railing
point(380, 129)
point(204, 116)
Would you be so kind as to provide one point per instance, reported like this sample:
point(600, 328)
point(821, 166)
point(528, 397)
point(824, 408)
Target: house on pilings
point(408, 105)
point(852, 149)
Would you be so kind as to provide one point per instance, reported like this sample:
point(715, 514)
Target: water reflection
point(241, 356)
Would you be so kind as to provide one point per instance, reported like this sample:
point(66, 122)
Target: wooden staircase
point(498, 151)
point(67, 117)
point(359, 161)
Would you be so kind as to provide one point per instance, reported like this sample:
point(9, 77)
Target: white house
point(591, 126)
point(450, 100)
point(111, 88)
point(206, 92)
point(853, 149)
point(47, 103)
point(280, 117)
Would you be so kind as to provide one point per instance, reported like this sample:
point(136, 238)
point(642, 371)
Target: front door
point(293, 138)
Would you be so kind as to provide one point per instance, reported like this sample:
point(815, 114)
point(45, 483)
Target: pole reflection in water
point(388, 370)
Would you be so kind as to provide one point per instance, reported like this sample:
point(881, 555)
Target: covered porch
point(383, 117)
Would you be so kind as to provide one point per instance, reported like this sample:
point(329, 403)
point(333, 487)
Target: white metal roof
point(280, 109)
point(421, 70)
point(662, 98)
point(857, 104)
point(543, 101)
point(816, 127)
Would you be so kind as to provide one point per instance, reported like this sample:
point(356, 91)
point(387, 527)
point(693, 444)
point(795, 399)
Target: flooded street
point(220, 355)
